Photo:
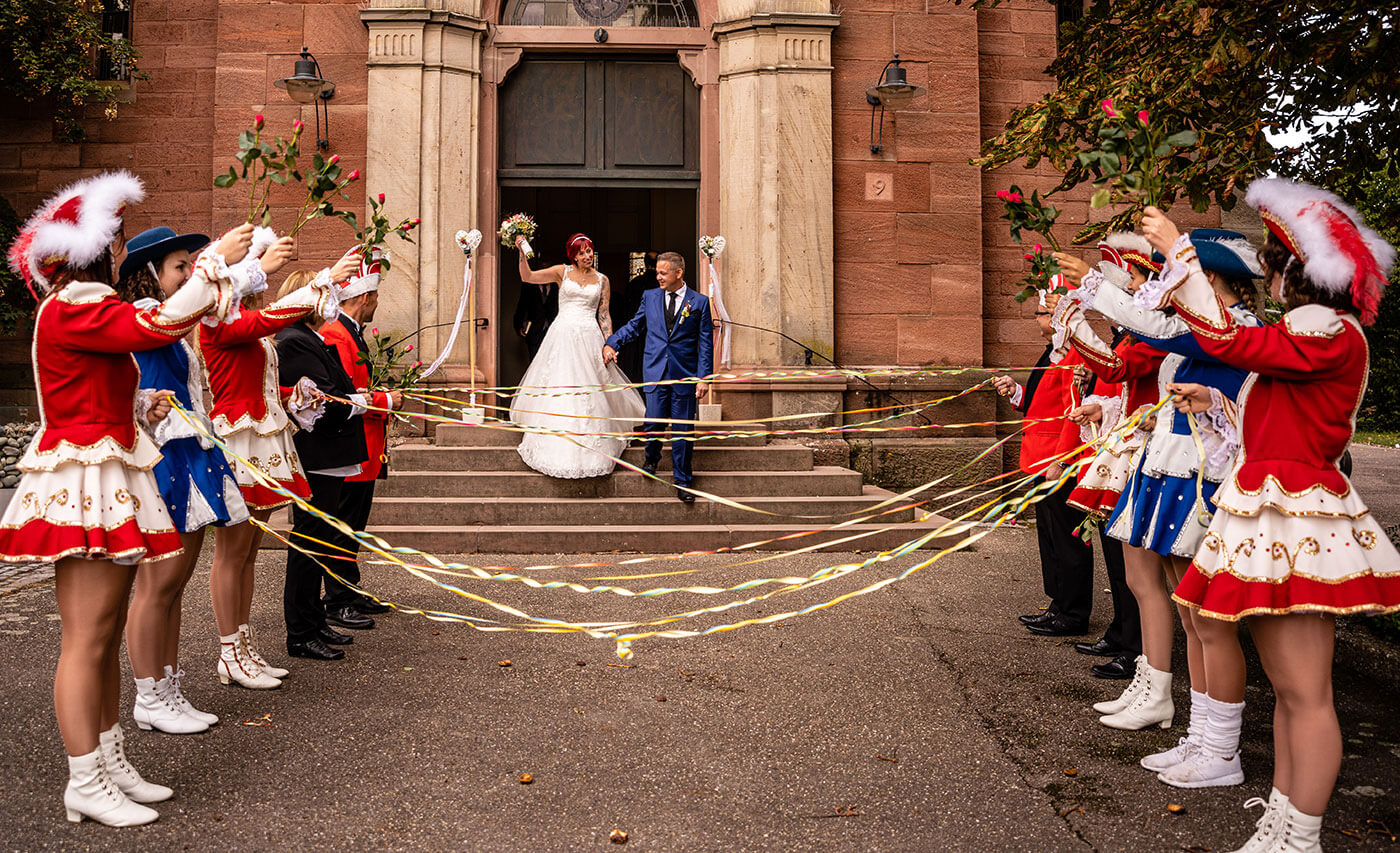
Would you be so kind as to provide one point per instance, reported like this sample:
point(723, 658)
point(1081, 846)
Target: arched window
point(601, 13)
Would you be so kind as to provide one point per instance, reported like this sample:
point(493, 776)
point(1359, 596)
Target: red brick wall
point(211, 65)
point(908, 285)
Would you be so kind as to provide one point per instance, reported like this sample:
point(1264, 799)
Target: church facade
point(644, 123)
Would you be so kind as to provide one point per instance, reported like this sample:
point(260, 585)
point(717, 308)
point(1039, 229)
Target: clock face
point(600, 12)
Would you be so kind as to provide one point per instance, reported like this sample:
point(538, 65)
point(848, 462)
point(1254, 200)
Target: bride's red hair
point(575, 245)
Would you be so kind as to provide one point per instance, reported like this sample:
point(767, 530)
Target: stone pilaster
point(776, 182)
point(423, 151)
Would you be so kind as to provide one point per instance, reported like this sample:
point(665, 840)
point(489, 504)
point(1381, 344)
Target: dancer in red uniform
point(1291, 543)
point(249, 415)
point(88, 501)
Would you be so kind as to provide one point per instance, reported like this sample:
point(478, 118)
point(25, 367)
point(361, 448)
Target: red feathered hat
point(73, 227)
point(1338, 252)
point(367, 278)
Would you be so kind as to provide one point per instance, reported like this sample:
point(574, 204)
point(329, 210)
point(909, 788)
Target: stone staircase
point(469, 492)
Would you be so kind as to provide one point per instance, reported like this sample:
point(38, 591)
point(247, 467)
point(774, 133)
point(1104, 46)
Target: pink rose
point(1015, 198)
point(298, 125)
point(354, 176)
point(416, 220)
point(374, 331)
point(408, 348)
point(1142, 116)
point(1003, 195)
point(1037, 248)
point(1107, 105)
point(258, 122)
point(381, 198)
point(335, 158)
point(1030, 257)
point(417, 364)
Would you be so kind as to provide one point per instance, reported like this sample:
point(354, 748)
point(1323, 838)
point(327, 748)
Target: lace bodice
point(577, 302)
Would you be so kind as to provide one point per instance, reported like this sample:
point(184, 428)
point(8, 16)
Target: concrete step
point(821, 480)
point(661, 511)
point(465, 435)
point(423, 457)
point(555, 539)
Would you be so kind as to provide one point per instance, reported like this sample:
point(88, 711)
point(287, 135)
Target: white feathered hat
point(1338, 252)
point(1117, 251)
point(73, 227)
point(367, 278)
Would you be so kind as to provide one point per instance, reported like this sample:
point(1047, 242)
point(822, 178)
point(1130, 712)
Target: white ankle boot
point(1299, 833)
point(92, 793)
point(1151, 707)
point(154, 709)
point(120, 771)
point(274, 671)
point(236, 666)
point(1195, 730)
point(1136, 686)
point(177, 697)
point(1269, 824)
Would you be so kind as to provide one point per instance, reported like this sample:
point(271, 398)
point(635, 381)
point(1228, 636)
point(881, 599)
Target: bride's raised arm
point(604, 312)
point(549, 275)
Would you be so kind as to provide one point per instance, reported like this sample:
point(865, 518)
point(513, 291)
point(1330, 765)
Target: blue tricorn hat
point(1226, 252)
point(153, 244)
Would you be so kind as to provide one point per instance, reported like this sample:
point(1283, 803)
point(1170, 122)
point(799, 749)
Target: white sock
point(1222, 730)
point(230, 639)
point(1305, 827)
point(1196, 726)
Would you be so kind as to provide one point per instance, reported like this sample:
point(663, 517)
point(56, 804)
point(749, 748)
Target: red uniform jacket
point(1054, 398)
point(237, 362)
point(338, 335)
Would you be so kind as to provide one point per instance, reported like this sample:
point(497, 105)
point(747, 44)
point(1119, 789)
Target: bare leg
point(153, 628)
point(1296, 650)
point(1144, 570)
point(245, 593)
point(1195, 656)
point(1222, 657)
point(232, 547)
point(92, 601)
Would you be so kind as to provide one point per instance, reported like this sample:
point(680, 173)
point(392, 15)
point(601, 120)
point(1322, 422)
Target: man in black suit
point(331, 450)
point(625, 304)
point(536, 308)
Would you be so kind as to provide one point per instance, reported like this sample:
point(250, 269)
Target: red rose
point(258, 122)
point(381, 198)
point(354, 176)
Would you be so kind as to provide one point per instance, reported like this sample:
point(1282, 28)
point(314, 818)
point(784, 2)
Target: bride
point(569, 365)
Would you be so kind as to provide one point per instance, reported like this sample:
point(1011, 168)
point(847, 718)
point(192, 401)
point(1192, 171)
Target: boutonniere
point(685, 311)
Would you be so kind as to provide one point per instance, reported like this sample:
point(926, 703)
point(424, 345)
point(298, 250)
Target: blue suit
point(686, 351)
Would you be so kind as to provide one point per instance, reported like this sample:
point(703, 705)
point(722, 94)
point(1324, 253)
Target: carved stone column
point(422, 141)
point(776, 182)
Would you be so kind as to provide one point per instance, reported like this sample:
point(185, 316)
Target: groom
point(679, 345)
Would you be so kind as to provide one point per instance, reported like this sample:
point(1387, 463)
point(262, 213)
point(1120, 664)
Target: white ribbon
point(457, 323)
point(722, 314)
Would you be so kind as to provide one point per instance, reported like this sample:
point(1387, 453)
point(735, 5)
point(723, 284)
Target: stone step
point(659, 511)
point(821, 480)
point(466, 435)
point(423, 457)
point(557, 539)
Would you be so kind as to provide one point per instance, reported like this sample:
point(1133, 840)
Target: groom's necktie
point(670, 311)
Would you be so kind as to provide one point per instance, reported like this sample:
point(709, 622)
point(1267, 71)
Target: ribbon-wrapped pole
point(467, 241)
point(712, 247)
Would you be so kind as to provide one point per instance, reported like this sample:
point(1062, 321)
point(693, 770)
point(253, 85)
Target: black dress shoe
point(1120, 668)
point(371, 607)
point(1104, 648)
point(332, 637)
point(314, 649)
point(650, 467)
point(1058, 626)
point(346, 616)
point(1037, 618)
point(685, 497)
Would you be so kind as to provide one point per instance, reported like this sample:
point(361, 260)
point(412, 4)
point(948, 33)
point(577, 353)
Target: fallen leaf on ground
point(661, 698)
point(580, 663)
point(617, 836)
point(526, 778)
point(502, 663)
point(1175, 808)
point(1071, 772)
point(264, 720)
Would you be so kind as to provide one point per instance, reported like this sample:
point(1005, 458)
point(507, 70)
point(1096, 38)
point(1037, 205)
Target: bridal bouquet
point(263, 163)
point(518, 225)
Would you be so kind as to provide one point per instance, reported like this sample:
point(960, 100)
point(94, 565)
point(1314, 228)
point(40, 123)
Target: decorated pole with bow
point(467, 241)
point(713, 247)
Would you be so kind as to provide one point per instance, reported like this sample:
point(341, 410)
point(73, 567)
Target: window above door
point(600, 13)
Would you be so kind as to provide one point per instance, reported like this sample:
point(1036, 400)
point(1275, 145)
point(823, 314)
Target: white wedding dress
point(560, 392)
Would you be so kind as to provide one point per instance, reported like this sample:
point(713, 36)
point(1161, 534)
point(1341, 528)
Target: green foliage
point(388, 364)
point(1224, 70)
point(51, 49)
point(262, 163)
point(16, 302)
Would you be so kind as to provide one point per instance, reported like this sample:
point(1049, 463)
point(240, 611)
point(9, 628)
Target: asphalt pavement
point(920, 717)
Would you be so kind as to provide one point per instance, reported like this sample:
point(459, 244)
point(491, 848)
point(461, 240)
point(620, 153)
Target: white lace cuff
point(1219, 431)
point(306, 405)
point(1157, 291)
point(1088, 289)
point(328, 295)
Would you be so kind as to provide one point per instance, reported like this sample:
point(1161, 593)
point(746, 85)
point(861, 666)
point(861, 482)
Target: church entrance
point(606, 147)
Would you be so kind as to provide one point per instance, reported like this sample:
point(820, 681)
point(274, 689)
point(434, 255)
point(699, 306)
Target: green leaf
point(1100, 198)
point(224, 181)
point(267, 217)
point(280, 177)
point(1182, 138)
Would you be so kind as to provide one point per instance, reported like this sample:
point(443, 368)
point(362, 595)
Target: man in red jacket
point(1066, 561)
point(359, 299)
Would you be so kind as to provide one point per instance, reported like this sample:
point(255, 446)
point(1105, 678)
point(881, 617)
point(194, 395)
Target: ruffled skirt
point(100, 511)
point(198, 486)
point(1107, 475)
point(274, 456)
point(1273, 553)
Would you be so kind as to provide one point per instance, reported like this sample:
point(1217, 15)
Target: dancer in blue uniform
point(193, 476)
point(1166, 509)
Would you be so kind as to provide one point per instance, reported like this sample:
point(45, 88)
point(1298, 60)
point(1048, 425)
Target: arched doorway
point(607, 145)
